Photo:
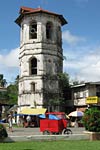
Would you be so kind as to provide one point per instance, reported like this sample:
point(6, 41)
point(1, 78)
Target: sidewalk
point(34, 134)
point(36, 131)
point(24, 131)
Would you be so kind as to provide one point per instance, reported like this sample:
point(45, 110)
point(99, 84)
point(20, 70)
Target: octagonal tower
point(40, 56)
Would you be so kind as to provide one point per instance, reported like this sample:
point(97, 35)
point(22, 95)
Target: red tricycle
point(54, 123)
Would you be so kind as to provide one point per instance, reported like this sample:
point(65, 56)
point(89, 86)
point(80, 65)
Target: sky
point(81, 36)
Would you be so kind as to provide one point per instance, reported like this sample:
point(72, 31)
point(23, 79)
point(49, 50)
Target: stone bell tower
point(40, 56)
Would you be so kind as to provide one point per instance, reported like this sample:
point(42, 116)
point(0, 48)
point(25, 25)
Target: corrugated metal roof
point(86, 83)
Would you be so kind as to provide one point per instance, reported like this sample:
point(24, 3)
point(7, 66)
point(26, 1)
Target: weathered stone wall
point(49, 59)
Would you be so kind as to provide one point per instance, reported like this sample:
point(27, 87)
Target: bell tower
point(40, 56)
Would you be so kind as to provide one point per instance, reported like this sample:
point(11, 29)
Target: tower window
point(33, 30)
point(49, 30)
point(33, 66)
point(33, 88)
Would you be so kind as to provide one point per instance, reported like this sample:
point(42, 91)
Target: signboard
point(92, 100)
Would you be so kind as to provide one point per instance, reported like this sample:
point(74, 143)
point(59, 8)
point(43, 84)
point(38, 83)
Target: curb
point(47, 137)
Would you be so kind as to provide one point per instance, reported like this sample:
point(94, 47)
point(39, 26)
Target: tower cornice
point(26, 11)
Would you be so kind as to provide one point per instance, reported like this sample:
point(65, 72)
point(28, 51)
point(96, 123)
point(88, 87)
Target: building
point(40, 56)
point(86, 94)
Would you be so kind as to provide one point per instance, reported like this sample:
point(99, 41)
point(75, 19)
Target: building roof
point(86, 83)
point(25, 11)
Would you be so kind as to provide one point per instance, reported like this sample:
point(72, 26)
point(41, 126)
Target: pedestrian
point(10, 122)
point(28, 118)
point(19, 121)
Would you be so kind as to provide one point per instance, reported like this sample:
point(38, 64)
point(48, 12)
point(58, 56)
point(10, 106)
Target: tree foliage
point(64, 90)
point(64, 87)
point(91, 119)
point(3, 91)
point(63, 80)
point(12, 91)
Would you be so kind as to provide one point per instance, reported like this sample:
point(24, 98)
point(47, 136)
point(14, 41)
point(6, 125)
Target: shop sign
point(92, 100)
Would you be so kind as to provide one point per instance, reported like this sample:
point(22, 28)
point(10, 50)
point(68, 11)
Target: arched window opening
point(33, 66)
point(49, 30)
point(33, 30)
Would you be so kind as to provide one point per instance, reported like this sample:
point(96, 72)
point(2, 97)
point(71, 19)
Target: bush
point(91, 119)
point(3, 132)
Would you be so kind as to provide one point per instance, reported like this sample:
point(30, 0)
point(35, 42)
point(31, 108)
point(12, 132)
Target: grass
point(51, 145)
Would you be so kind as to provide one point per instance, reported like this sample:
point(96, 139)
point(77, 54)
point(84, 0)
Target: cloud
point(71, 39)
point(82, 62)
point(85, 65)
point(9, 64)
point(10, 59)
point(91, 70)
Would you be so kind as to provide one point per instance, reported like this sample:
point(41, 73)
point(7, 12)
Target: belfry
point(40, 56)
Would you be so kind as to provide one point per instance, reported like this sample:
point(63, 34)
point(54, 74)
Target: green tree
point(64, 87)
point(91, 119)
point(64, 90)
point(12, 91)
point(63, 80)
point(3, 91)
point(60, 100)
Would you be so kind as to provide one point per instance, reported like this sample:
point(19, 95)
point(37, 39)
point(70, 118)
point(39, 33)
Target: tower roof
point(25, 11)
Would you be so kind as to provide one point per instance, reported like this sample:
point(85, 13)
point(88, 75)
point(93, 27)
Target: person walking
point(28, 118)
point(10, 122)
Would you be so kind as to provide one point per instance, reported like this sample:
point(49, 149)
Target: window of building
point(33, 66)
point(33, 30)
point(49, 27)
point(33, 87)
